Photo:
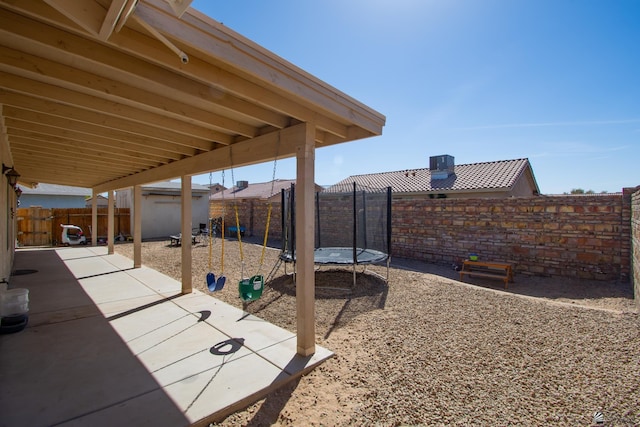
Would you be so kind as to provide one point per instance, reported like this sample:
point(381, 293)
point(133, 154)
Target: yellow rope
point(222, 242)
point(210, 246)
point(238, 232)
point(224, 213)
point(209, 220)
point(266, 236)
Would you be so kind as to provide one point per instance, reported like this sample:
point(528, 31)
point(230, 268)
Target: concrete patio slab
point(113, 286)
point(111, 345)
point(223, 386)
point(156, 281)
point(120, 306)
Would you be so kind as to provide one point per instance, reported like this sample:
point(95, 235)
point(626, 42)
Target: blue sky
point(554, 81)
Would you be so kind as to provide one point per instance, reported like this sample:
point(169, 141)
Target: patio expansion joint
point(175, 300)
point(65, 316)
point(216, 367)
point(256, 351)
point(175, 334)
point(106, 407)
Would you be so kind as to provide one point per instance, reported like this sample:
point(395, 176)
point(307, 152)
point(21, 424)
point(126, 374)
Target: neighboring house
point(264, 191)
point(161, 207)
point(102, 202)
point(444, 179)
point(216, 188)
point(251, 201)
point(54, 196)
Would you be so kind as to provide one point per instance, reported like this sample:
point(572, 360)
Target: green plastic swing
point(250, 289)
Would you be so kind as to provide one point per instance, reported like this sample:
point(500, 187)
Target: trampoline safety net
point(352, 224)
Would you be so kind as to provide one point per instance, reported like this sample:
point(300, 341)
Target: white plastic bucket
point(14, 301)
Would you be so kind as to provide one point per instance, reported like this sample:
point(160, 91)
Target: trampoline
point(352, 226)
point(342, 256)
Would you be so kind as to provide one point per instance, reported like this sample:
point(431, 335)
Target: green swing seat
point(251, 289)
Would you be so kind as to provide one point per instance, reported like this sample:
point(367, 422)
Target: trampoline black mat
point(342, 255)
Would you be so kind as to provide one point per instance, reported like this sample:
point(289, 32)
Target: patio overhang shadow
point(124, 347)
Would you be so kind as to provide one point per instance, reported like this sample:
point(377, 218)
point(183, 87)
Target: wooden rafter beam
point(95, 58)
point(88, 151)
point(212, 73)
point(204, 35)
point(161, 138)
point(87, 14)
point(48, 72)
point(96, 141)
point(283, 142)
point(121, 102)
point(62, 170)
point(111, 19)
point(51, 92)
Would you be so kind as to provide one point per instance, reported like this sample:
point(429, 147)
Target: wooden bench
point(494, 270)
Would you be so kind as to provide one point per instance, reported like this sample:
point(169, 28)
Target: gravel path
point(430, 350)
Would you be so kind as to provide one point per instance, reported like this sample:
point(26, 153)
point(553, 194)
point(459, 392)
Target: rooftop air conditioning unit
point(441, 167)
point(242, 184)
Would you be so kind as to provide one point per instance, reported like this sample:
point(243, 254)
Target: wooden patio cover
point(108, 94)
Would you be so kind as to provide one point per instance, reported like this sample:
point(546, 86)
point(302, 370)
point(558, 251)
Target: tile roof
point(173, 185)
point(498, 175)
point(259, 190)
point(56, 190)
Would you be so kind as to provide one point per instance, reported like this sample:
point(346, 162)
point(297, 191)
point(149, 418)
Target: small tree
point(581, 191)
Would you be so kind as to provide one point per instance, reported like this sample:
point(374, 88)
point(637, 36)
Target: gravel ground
point(430, 350)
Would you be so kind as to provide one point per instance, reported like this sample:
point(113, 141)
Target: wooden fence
point(41, 227)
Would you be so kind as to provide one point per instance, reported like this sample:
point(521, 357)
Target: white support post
point(137, 226)
point(187, 287)
point(110, 223)
point(305, 232)
point(94, 219)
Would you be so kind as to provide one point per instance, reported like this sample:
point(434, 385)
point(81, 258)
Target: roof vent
point(441, 167)
point(242, 184)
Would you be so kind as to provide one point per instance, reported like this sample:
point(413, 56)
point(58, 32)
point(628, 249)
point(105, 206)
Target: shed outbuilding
point(161, 202)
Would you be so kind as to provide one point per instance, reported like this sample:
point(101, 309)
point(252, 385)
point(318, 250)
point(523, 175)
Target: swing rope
point(210, 225)
point(224, 211)
point(250, 289)
point(266, 230)
point(212, 283)
point(235, 207)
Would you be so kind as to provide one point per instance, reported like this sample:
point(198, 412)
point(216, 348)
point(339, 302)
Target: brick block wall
point(572, 236)
point(585, 236)
point(252, 214)
point(336, 216)
point(261, 215)
point(635, 234)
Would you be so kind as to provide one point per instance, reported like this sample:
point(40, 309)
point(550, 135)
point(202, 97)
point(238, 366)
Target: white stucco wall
point(161, 210)
point(7, 232)
point(52, 201)
point(7, 220)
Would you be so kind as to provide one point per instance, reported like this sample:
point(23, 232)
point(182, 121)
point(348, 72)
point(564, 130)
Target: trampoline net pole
point(283, 223)
point(355, 227)
point(389, 195)
point(364, 219)
point(292, 223)
point(318, 225)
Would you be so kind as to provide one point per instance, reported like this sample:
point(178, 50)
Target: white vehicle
point(72, 235)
